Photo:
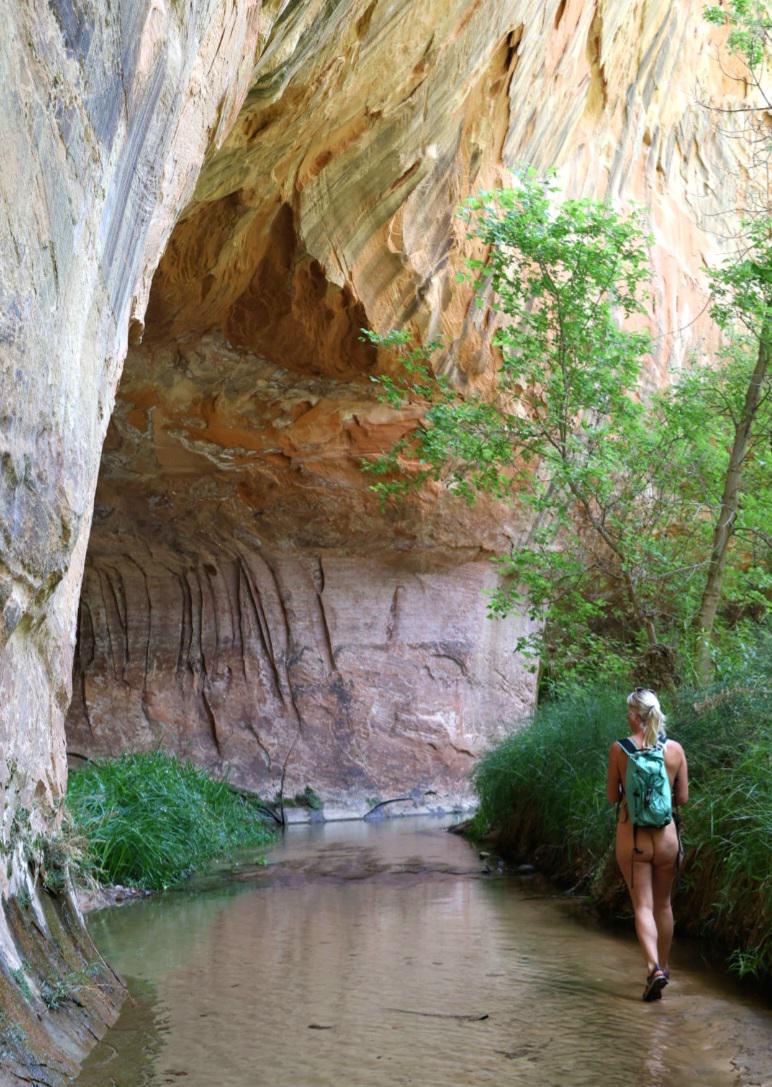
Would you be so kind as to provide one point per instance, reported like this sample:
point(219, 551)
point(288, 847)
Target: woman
point(649, 856)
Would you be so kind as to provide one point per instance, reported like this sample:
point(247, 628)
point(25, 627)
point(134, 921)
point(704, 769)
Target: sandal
point(655, 983)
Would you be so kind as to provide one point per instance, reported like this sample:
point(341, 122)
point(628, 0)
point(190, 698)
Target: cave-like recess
point(246, 602)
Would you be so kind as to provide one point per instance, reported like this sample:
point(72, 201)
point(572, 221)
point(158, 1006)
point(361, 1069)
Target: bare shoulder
point(614, 752)
point(673, 751)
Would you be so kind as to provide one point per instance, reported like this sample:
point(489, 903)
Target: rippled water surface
point(367, 955)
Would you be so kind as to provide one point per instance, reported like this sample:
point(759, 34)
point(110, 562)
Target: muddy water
point(375, 955)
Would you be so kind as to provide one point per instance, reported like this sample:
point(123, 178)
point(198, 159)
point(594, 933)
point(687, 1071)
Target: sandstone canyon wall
point(243, 591)
point(246, 602)
point(107, 111)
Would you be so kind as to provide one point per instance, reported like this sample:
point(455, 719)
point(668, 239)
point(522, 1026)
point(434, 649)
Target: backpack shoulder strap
point(628, 746)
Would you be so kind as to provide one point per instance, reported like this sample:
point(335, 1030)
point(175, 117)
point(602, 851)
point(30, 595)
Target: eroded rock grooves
point(243, 588)
point(299, 618)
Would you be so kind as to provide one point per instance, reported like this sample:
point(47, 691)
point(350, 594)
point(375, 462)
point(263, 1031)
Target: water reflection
point(368, 955)
point(128, 1055)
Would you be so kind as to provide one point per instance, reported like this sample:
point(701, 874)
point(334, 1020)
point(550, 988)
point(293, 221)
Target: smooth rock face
point(246, 601)
point(107, 112)
point(107, 115)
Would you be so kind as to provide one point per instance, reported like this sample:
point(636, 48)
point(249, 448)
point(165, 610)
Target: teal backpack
point(647, 786)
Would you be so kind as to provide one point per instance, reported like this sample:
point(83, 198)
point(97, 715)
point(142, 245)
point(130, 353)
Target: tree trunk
point(722, 533)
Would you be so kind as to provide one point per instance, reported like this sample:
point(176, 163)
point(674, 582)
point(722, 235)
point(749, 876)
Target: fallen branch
point(396, 800)
point(442, 1015)
point(383, 803)
point(283, 820)
point(78, 755)
point(712, 701)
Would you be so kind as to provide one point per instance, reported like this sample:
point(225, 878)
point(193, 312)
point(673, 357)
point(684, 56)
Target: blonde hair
point(646, 703)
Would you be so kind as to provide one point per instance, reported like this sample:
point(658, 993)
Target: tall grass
point(728, 822)
point(150, 819)
point(543, 791)
point(543, 788)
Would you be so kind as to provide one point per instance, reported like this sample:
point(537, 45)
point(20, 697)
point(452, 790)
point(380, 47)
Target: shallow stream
point(380, 954)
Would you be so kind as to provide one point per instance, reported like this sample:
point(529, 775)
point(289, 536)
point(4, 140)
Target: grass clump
point(57, 989)
point(150, 819)
point(728, 822)
point(542, 790)
point(20, 977)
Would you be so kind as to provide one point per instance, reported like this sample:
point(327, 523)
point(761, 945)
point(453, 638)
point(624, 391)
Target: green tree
point(750, 26)
point(742, 295)
point(619, 491)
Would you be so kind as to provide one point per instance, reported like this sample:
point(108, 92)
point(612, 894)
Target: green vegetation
point(57, 989)
point(647, 541)
point(750, 24)
point(20, 977)
point(310, 799)
point(543, 791)
point(149, 819)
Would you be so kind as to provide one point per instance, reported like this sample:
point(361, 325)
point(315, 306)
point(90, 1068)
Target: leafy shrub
point(310, 799)
point(150, 819)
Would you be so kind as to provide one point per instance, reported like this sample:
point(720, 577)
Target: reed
point(542, 791)
point(151, 819)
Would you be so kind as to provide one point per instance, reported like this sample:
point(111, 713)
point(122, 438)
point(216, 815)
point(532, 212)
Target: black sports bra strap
point(628, 746)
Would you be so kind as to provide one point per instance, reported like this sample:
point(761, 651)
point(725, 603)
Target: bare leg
point(662, 882)
point(642, 895)
point(638, 875)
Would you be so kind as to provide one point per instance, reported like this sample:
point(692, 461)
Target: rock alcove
point(245, 601)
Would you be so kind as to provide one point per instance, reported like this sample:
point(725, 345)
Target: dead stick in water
point(396, 800)
point(284, 776)
point(441, 1015)
point(383, 803)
